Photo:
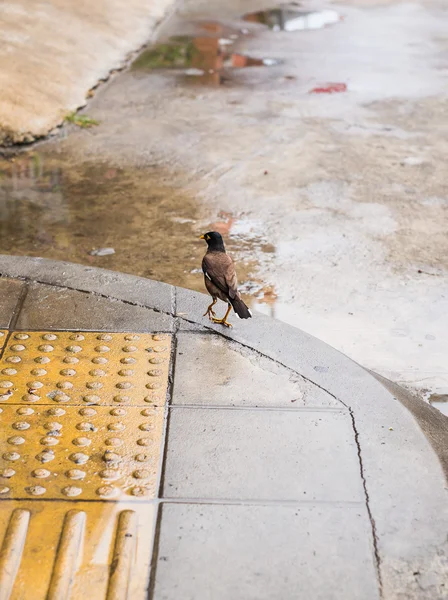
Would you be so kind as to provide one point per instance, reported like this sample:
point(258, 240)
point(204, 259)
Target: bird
point(220, 279)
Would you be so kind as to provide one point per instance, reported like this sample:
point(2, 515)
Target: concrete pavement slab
point(237, 376)
point(260, 454)
point(10, 291)
point(217, 552)
point(48, 307)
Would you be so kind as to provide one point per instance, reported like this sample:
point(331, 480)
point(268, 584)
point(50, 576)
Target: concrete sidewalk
point(249, 463)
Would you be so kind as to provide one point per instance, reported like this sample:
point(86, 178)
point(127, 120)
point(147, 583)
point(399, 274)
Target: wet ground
point(323, 164)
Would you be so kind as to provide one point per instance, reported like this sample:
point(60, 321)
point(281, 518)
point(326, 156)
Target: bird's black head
point(214, 241)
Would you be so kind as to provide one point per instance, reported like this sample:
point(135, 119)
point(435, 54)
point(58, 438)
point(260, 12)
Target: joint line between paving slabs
point(18, 307)
point(163, 452)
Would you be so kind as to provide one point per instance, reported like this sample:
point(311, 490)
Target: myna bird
point(220, 279)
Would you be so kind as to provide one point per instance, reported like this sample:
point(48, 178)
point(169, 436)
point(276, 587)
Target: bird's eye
point(207, 237)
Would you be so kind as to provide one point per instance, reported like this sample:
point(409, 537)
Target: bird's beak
point(202, 237)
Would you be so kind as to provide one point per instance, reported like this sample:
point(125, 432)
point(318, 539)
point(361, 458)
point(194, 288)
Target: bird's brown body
point(221, 280)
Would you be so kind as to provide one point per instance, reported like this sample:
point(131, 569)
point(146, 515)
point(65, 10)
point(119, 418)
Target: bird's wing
point(219, 268)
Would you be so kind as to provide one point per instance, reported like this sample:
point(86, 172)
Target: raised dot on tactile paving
point(46, 348)
point(42, 360)
point(4, 489)
point(49, 337)
point(139, 490)
point(55, 412)
point(71, 490)
point(71, 360)
point(9, 371)
point(81, 441)
point(6, 384)
point(131, 337)
point(102, 348)
point(97, 373)
point(160, 349)
point(21, 336)
point(35, 490)
point(118, 412)
point(141, 474)
point(59, 396)
point(130, 348)
point(159, 337)
point(64, 385)
point(25, 410)
point(110, 474)
point(128, 360)
point(49, 440)
point(21, 425)
point(111, 457)
point(11, 455)
point(91, 399)
point(34, 385)
point(38, 372)
point(156, 360)
point(16, 440)
point(75, 474)
point(145, 426)
point(67, 372)
point(155, 372)
point(105, 337)
point(124, 385)
point(79, 458)
point(7, 473)
point(41, 473)
point(153, 386)
point(144, 442)
point(45, 456)
point(99, 360)
point(113, 441)
point(77, 337)
point(116, 426)
point(141, 457)
point(107, 491)
point(126, 372)
point(121, 398)
point(17, 347)
point(87, 412)
point(84, 426)
point(94, 385)
point(150, 399)
point(53, 426)
point(4, 397)
point(73, 348)
point(30, 398)
point(13, 359)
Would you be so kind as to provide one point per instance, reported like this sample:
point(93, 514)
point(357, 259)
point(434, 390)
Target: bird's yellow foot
point(210, 313)
point(221, 322)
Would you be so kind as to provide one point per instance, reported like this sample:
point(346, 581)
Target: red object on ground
point(330, 88)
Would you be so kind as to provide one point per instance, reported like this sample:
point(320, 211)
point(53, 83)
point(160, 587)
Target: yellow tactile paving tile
point(75, 550)
point(92, 452)
point(88, 368)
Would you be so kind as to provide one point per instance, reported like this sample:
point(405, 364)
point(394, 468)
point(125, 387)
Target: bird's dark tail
point(240, 308)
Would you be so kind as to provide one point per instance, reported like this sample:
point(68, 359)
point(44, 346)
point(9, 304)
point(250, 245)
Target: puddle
point(439, 401)
point(206, 59)
point(287, 19)
point(61, 213)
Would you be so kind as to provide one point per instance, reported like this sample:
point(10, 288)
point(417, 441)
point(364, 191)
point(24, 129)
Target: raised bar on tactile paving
point(121, 566)
point(11, 551)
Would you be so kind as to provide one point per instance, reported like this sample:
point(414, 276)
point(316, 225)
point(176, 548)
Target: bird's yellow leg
point(210, 312)
point(224, 321)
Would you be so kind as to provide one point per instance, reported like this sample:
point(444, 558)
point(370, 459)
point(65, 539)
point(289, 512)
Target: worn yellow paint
point(87, 368)
point(3, 334)
point(79, 463)
point(85, 565)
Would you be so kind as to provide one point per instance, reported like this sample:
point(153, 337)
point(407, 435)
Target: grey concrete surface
point(287, 455)
point(264, 552)
point(49, 307)
point(45, 77)
point(389, 456)
point(238, 377)
point(9, 295)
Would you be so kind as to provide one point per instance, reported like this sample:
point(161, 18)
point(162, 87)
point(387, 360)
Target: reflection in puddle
point(439, 401)
point(287, 19)
point(203, 59)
